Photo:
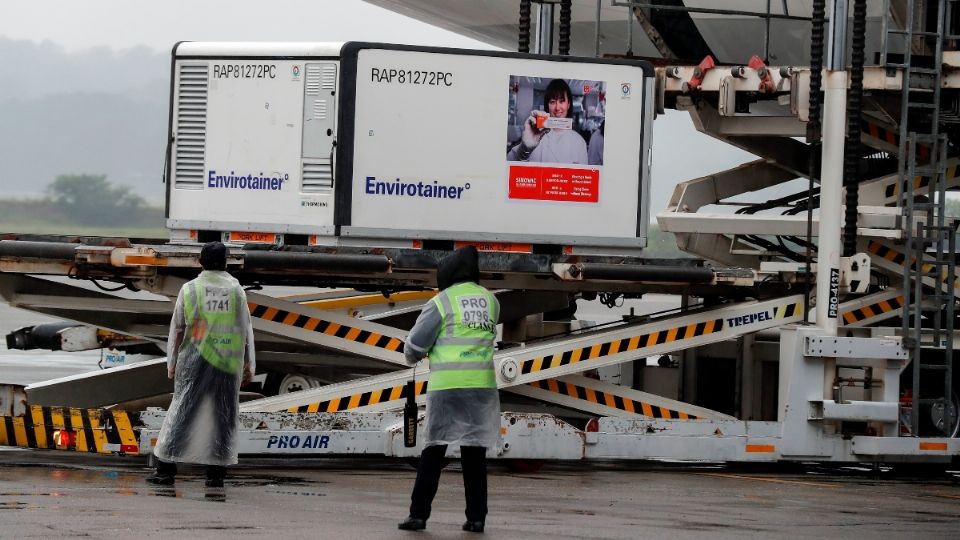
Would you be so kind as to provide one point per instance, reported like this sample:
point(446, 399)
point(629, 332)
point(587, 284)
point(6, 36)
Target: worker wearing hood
point(456, 330)
point(209, 355)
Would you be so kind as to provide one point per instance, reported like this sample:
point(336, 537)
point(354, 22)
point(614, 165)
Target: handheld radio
point(410, 415)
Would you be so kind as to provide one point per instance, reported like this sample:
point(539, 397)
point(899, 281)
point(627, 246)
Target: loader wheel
point(525, 466)
point(296, 383)
point(937, 414)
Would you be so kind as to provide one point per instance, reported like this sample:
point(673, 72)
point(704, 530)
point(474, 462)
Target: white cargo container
point(385, 145)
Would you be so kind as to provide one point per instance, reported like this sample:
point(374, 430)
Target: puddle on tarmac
point(215, 528)
point(210, 494)
point(295, 492)
point(164, 492)
point(25, 494)
point(260, 481)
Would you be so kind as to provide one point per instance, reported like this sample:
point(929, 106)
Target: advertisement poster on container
point(555, 129)
point(498, 148)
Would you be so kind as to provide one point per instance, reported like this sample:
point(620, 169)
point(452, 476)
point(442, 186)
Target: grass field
point(80, 230)
point(38, 216)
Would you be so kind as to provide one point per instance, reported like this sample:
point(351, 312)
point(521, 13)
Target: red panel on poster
point(554, 184)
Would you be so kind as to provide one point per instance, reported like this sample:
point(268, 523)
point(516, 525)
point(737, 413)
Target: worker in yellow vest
point(209, 355)
point(456, 330)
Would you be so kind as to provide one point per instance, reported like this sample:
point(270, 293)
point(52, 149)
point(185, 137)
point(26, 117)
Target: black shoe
point(214, 482)
point(412, 524)
point(160, 479)
point(473, 526)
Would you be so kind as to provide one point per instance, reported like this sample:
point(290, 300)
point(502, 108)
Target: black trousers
point(166, 468)
point(474, 463)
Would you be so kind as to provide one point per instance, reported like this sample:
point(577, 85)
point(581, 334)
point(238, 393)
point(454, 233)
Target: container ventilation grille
point(321, 77)
point(191, 134)
point(320, 109)
point(317, 176)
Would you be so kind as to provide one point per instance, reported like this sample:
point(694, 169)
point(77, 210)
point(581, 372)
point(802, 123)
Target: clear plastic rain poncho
point(209, 350)
point(457, 416)
point(464, 416)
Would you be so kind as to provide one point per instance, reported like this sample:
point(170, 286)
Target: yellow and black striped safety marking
point(884, 252)
point(789, 310)
point(329, 328)
point(892, 138)
point(898, 258)
point(373, 397)
point(919, 182)
point(873, 310)
point(84, 430)
point(610, 400)
point(881, 134)
point(600, 350)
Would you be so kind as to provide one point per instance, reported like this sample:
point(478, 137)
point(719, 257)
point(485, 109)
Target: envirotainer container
point(378, 145)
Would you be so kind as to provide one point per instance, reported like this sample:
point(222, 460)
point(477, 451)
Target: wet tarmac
point(47, 494)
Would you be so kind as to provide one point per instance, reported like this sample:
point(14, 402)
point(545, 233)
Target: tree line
point(82, 202)
point(89, 199)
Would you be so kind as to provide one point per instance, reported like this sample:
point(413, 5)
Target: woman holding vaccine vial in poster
point(553, 134)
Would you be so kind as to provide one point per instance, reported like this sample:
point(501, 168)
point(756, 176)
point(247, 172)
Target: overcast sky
point(122, 24)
